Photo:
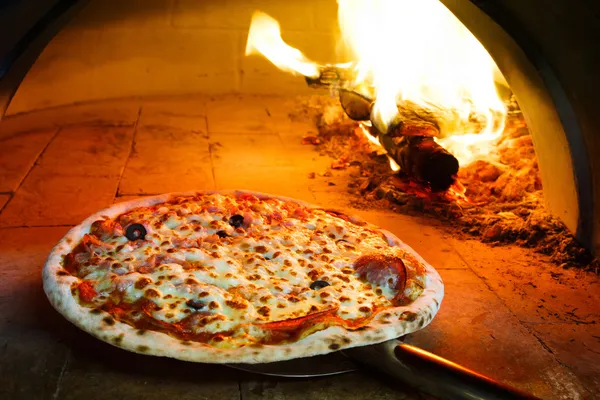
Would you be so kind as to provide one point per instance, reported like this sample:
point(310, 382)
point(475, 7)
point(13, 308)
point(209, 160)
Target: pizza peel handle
point(434, 375)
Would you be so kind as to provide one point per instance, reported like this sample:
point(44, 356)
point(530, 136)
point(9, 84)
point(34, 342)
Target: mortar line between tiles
point(61, 375)
point(10, 196)
point(37, 226)
point(35, 162)
point(239, 381)
point(131, 148)
point(37, 159)
point(210, 151)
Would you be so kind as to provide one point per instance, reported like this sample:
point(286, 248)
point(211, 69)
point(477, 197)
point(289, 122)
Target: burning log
point(331, 76)
point(413, 120)
point(409, 138)
point(422, 158)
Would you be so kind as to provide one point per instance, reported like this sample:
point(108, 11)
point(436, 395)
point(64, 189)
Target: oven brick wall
point(116, 49)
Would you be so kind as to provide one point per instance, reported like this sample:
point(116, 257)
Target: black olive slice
point(222, 234)
point(136, 232)
point(196, 304)
point(236, 220)
point(317, 285)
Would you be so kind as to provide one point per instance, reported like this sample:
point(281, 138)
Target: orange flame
point(264, 38)
point(408, 50)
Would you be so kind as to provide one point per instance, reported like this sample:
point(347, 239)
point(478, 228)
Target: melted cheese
point(261, 273)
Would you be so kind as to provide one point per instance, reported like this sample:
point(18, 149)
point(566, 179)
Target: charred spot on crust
point(346, 340)
point(109, 320)
point(143, 348)
point(118, 339)
point(95, 311)
point(141, 332)
point(408, 316)
point(186, 343)
point(334, 346)
point(62, 273)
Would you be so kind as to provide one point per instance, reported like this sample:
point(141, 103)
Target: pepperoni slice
point(382, 270)
point(87, 293)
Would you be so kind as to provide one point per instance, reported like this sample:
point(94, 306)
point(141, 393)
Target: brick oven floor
point(507, 312)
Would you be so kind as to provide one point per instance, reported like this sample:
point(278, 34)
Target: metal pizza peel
point(411, 365)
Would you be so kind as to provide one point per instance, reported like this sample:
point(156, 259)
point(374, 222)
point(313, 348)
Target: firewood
point(421, 158)
point(331, 76)
point(414, 120)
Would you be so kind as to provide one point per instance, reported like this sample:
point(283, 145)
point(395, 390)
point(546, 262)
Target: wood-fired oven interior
point(139, 98)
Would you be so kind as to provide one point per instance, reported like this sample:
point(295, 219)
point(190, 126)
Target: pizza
point(237, 277)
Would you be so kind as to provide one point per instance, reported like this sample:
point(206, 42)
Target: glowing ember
point(408, 51)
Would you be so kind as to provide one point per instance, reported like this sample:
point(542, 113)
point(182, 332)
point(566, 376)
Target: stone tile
point(576, 346)
point(168, 158)
point(4, 198)
point(47, 199)
point(248, 150)
point(238, 114)
point(31, 366)
point(18, 154)
point(97, 370)
point(175, 112)
point(88, 150)
point(533, 288)
point(23, 252)
point(282, 181)
point(103, 113)
point(354, 385)
point(305, 154)
point(474, 328)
